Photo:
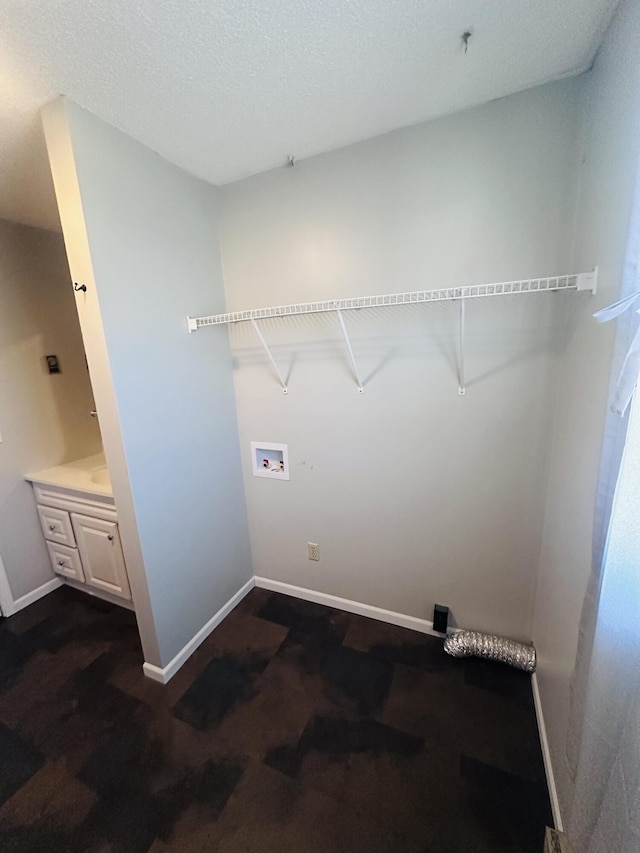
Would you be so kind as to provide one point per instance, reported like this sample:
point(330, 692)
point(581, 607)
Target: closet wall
point(609, 171)
point(414, 494)
point(44, 419)
point(142, 235)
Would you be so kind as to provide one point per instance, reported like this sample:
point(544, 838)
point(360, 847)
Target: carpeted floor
point(294, 729)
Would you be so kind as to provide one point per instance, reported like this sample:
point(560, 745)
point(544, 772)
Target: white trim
point(390, 616)
point(154, 673)
point(103, 594)
point(163, 675)
point(546, 755)
point(6, 596)
point(35, 594)
point(157, 673)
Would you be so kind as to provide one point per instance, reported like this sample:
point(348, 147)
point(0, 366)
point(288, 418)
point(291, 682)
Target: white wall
point(414, 494)
point(142, 234)
point(609, 165)
point(44, 419)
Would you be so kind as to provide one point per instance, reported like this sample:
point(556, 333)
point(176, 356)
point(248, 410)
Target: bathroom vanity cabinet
point(80, 526)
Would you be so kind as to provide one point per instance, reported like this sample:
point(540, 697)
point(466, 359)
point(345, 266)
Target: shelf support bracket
point(461, 386)
point(588, 280)
point(258, 332)
point(350, 351)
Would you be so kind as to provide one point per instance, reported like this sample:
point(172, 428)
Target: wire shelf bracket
point(258, 332)
point(352, 357)
point(461, 387)
point(585, 282)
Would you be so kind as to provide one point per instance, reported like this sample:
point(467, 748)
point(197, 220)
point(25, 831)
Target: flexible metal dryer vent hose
point(465, 644)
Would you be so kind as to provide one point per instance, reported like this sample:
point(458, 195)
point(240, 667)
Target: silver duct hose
point(467, 644)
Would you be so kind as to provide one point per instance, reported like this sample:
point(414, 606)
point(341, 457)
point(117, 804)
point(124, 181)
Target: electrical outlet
point(314, 551)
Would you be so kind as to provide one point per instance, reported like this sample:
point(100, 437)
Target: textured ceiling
point(226, 88)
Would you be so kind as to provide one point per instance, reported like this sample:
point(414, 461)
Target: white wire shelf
point(577, 282)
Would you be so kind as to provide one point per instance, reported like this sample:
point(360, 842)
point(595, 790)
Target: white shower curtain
point(603, 743)
point(606, 812)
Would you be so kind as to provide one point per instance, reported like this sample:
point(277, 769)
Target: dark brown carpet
point(293, 729)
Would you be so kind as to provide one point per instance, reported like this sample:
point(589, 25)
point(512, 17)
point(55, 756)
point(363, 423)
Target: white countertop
point(89, 475)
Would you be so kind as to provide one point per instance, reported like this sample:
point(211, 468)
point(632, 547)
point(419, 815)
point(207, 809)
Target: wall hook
point(466, 35)
point(77, 287)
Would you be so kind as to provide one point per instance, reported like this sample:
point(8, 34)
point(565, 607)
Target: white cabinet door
point(101, 553)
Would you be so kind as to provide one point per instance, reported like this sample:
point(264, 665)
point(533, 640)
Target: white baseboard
point(6, 596)
point(390, 616)
point(102, 594)
point(163, 675)
point(546, 755)
point(34, 595)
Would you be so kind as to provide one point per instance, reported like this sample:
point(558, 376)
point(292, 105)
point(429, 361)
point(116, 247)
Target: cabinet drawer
point(65, 561)
point(56, 525)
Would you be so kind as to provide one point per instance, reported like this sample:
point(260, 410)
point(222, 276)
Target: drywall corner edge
point(57, 122)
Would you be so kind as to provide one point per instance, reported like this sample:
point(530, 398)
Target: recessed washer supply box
point(270, 460)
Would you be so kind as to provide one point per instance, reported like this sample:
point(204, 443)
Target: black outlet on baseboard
point(440, 618)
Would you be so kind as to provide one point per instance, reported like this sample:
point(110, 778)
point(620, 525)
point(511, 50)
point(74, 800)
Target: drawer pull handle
point(61, 562)
point(52, 527)
point(110, 537)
